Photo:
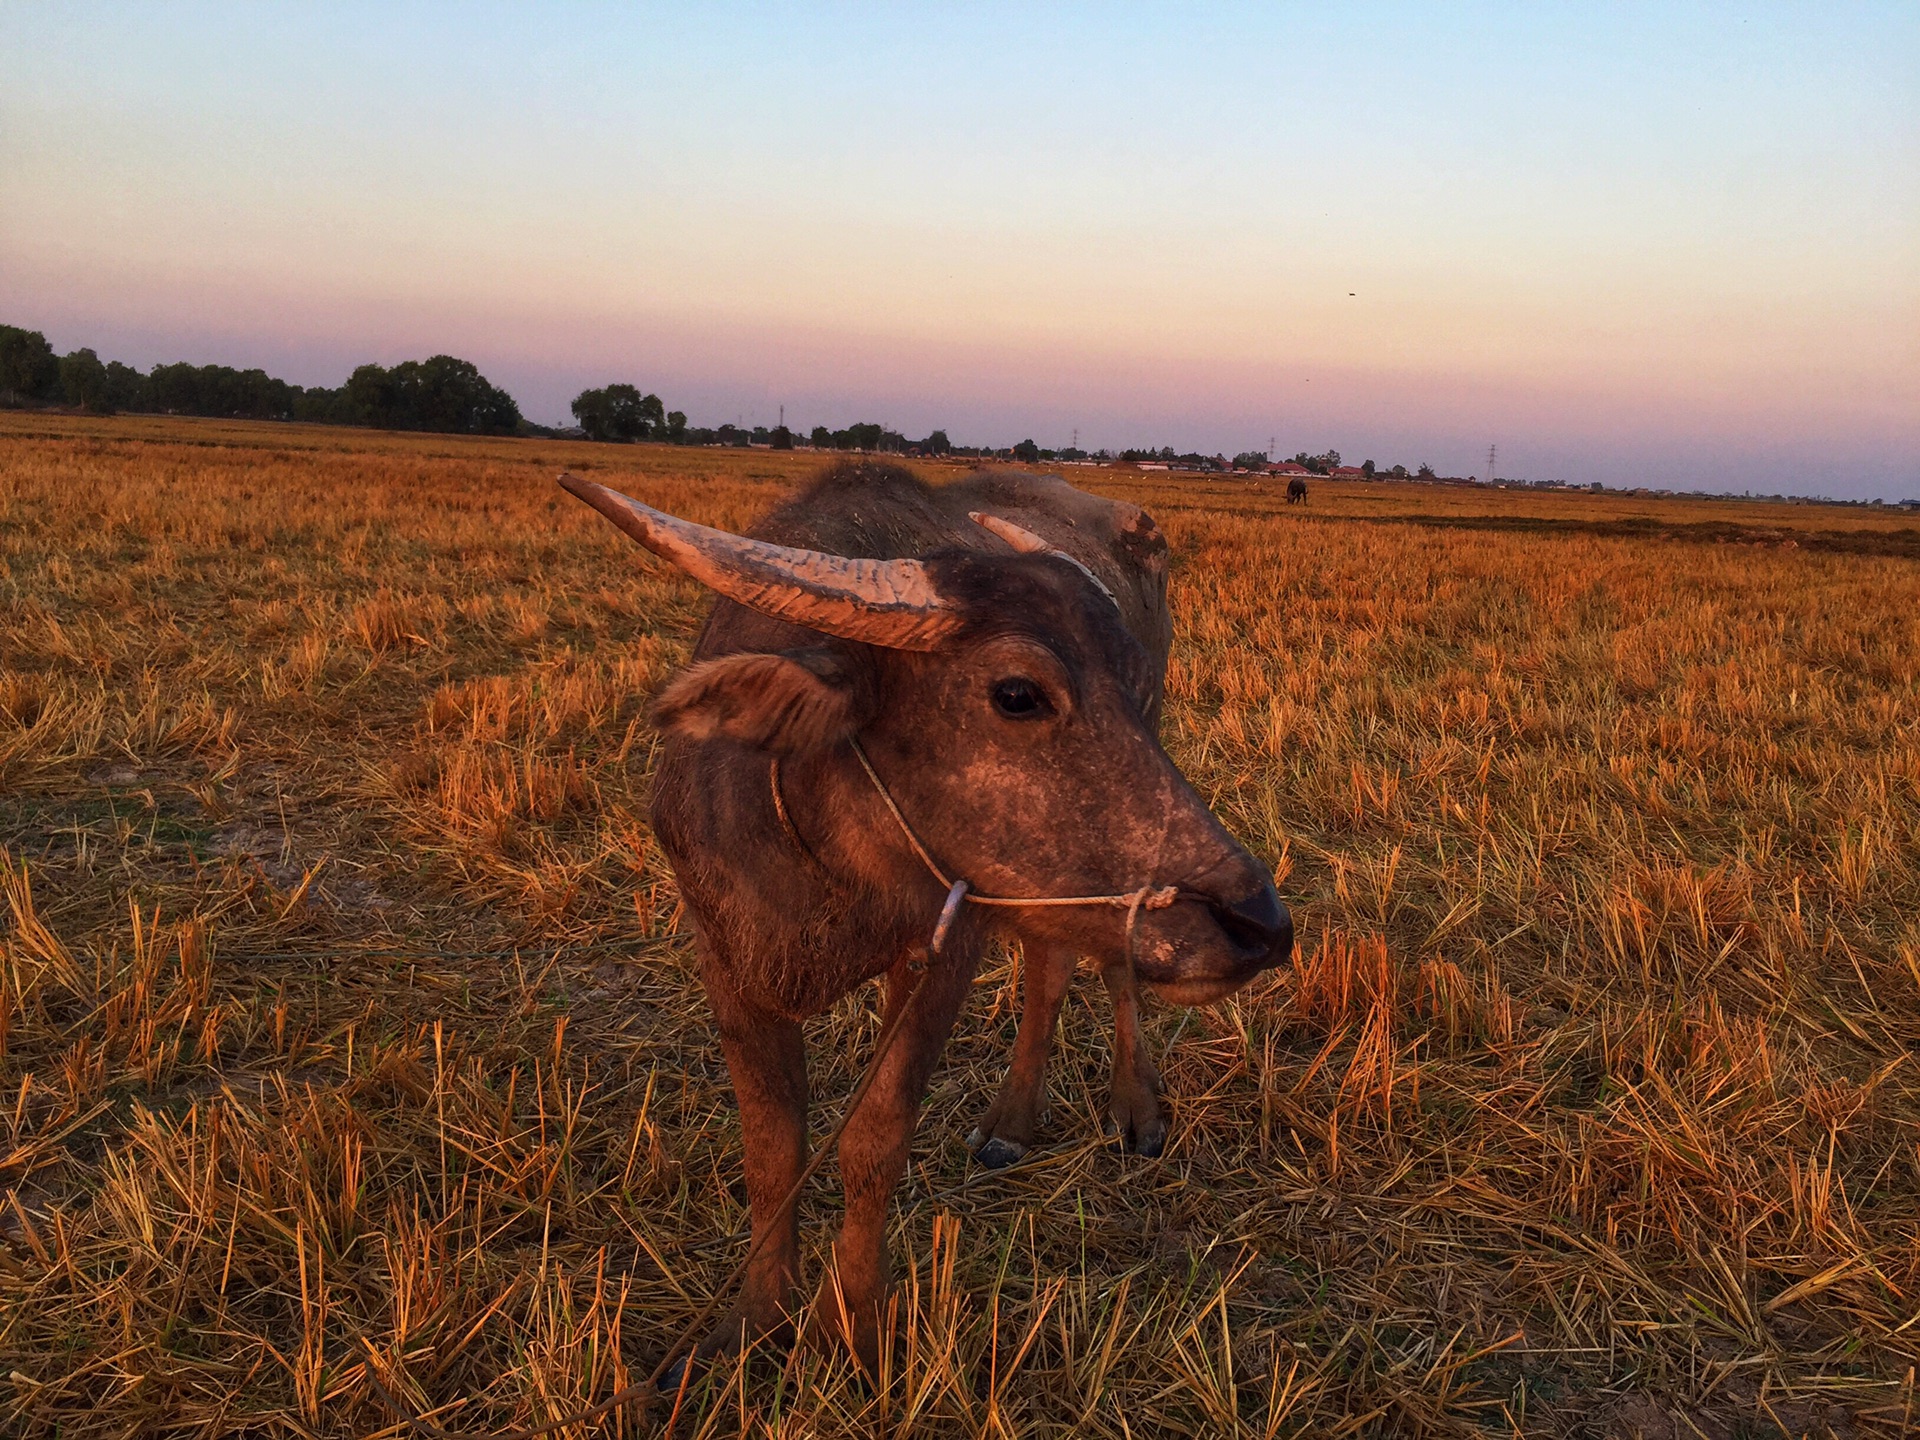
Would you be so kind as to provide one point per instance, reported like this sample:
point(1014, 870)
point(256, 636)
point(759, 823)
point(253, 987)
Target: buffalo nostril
point(1258, 925)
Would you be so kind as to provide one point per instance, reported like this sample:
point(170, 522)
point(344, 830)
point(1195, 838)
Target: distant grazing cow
point(881, 669)
point(1296, 490)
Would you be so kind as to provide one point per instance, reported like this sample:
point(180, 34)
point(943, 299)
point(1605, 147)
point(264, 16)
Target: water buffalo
point(877, 650)
point(1296, 490)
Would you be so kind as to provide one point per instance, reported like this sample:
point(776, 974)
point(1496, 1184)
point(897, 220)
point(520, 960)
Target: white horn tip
point(1018, 536)
point(1028, 543)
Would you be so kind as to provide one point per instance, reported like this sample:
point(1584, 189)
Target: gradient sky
point(1645, 244)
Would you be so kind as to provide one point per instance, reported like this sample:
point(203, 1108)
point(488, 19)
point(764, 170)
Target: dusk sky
point(1661, 244)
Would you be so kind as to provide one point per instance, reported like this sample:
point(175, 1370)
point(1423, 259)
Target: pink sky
point(1661, 246)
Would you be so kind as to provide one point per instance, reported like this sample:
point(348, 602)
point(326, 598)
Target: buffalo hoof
point(742, 1327)
point(675, 1375)
point(1135, 1115)
point(837, 1324)
point(1144, 1135)
point(997, 1154)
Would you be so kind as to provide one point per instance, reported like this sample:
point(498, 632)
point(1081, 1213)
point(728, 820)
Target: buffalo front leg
point(1006, 1131)
point(1133, 1101)
point(767, 1058)
point(852, 1301)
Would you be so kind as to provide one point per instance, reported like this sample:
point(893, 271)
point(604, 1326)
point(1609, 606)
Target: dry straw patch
point(349, 1045)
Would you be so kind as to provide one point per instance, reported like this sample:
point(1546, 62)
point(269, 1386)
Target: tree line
point(448, 394)
point(443, 393)
point(621, 414)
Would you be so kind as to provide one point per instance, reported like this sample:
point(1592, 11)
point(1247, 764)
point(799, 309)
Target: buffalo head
point(1001, 701)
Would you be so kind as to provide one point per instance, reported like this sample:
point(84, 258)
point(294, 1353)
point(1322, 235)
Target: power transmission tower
point(1492, 450)
point(1272, 440)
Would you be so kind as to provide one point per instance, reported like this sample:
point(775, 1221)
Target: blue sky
point(1640, 244)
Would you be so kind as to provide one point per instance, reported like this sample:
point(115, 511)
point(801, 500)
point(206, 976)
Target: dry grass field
point(351, 1060)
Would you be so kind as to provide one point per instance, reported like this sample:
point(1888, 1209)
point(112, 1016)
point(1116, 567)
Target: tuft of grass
point(350, 1045)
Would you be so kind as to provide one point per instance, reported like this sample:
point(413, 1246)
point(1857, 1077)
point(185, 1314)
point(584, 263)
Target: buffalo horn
point(892, 603)
point(1028, 543)
point(1018, 536)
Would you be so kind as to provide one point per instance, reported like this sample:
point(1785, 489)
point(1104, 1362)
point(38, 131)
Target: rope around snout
point(1147, 897)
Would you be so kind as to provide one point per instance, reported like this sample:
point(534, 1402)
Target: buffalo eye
point(1019, 698)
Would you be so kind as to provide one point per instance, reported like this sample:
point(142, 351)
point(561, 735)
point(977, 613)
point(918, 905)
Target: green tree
point(370, 397)
point(592, 412)
point(448, 394)
point(83, 382)
point(1026, 452)
point(183, 389)
point(821, 438)
point(442, 393)
point(619, 412)
point(1366, 468)
point(126, 387)
point(937, 443)
point(318, 405)
point(610, 413)
point(676, 426)
point(28, 369)
point(780, 438)
point(1250, 460)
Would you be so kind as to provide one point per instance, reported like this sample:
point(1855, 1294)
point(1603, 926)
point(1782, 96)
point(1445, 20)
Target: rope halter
point(1147, 897)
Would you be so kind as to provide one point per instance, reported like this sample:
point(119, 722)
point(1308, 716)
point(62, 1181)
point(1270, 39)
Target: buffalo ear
point(799, 700)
